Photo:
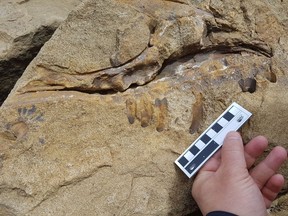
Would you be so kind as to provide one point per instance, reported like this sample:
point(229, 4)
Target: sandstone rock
point(164, 37)
point(24, 27)
point(279, 206)
point(121, 89)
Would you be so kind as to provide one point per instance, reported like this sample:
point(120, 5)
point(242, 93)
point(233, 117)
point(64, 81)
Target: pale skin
point(228, 182)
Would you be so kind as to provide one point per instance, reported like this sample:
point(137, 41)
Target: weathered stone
point(164, 36)
point(97, 119)
point(24, 27)
point(279, 206)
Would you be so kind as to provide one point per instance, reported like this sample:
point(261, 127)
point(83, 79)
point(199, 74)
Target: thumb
point(232, 153)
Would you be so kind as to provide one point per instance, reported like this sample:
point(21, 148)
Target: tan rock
point(21, 20)
point(83, 135)
point(279, 206)
point(25, 25)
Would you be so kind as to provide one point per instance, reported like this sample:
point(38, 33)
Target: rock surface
point(280, 206)
point(122, 88)
point(25, 25)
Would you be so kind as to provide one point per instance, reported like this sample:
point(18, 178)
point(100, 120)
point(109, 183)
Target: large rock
point(121, 89)
point(25, 25)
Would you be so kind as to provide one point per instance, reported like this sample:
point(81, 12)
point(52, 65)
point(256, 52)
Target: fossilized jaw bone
point(169, 38)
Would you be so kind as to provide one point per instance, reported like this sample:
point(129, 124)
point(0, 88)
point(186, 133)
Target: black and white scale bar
point(212, 139)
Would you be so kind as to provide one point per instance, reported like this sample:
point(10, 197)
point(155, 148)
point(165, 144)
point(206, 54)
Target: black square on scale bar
point(228, 116)
point(217, 127)
point(194, 150)
point(183, 161)
point(205, 138)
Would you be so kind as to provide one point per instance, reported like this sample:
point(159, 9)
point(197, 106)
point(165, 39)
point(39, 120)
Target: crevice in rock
point(283, 193)
point(215, 13)
point(20, 191)
point(245, 12)
point(215, 29)
point(128, 197)
point(239, 48)
point(6, 210)
point(257, 49)
point(74, 181)
point(116, 64)
point(23, 2)
point(178, 1)
point(91, 91)
point(87, 91)
point(223, 27)
point(272, 76)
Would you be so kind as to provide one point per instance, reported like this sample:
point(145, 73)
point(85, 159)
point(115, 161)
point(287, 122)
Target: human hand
point(226, 182)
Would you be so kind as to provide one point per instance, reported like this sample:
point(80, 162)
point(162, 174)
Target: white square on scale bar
point(188, 155)
point(234, 110)
point(222, 122)
point(199, 144)
point(211, 133)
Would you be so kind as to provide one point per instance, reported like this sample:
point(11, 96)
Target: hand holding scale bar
point(212, 139)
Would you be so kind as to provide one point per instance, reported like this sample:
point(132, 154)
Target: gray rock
point(24, 27)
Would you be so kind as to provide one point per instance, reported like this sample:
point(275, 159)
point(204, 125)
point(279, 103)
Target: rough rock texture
point(280, 206)
point(122, 88)
point(25, 25)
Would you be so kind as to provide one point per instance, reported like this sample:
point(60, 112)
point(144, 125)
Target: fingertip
point(272, 188)
point(233, 135)
point(278, 179)
point(254, 148)
point(269, 166)
point(262, 140)
point(232, 138)
point(280, 152)
point(276, 182)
